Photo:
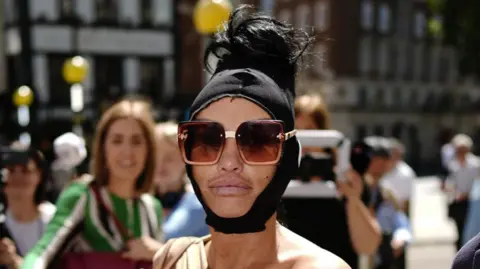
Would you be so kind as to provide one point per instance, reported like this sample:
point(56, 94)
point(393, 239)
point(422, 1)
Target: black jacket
point(469, 255)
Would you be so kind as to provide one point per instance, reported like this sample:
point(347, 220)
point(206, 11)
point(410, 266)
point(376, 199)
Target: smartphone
point(338, 144)
point(317, 166)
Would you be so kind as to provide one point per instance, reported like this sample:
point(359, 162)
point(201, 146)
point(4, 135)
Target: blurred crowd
point(129, 143)
point(44, 203)
point(146, 181)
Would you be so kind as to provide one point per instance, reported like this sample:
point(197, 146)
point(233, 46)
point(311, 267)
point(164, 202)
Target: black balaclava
point(272, 88)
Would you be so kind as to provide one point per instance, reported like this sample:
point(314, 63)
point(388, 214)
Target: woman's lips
point(230, 187)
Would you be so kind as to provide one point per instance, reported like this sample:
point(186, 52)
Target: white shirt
point(462, 177)
point(26, 235)
point(447, 154)
point(400, 181)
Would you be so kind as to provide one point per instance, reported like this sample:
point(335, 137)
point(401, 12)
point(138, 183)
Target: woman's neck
point(24, 211)
point(252, 250)
point(121, 188)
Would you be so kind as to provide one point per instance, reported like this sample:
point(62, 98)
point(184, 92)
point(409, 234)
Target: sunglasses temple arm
point(290, 134)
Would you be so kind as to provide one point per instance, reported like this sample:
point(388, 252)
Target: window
point(109, 81)
point(107, 11)
point(285, 16)
point(384, 18)
point(361, 132)
point(378, 130)
point(59, 88)
point(408, 62)
point(428, 101)
point(302, 16)
point(366, 16)
point(395, 63)
point(365, 54)
point(445, 102)
point(397, 129)
point(431, 57)
point(417, 62)
point(152, 77)
point(413, 99)
point(10, 10)
point(397, 97)
point(383, 57)
point(362, 97)
point(146, 12)
point(341, 93)
point(413, 138)
point(379, 97)
point(444, 68)
point(66, 8)
point(320, 58)
point(419, 24)
point(322, 15)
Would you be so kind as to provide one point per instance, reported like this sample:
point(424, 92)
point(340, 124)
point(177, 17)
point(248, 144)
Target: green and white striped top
point(81, 224)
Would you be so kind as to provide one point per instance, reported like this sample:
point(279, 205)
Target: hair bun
point(253, 40)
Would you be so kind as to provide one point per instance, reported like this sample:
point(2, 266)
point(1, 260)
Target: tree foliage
point(460, 22)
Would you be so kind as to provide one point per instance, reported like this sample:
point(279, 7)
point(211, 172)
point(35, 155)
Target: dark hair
point(38, 158)
point(250, 39)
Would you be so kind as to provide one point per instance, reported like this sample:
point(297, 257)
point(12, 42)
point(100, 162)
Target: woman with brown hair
point(112, 212)
point(311, 112)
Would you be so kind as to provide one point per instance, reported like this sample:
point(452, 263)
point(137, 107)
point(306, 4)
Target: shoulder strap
point(126, 234)
point(149, 213)
point(168, 256)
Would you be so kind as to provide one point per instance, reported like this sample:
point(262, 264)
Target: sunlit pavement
point(434, 234)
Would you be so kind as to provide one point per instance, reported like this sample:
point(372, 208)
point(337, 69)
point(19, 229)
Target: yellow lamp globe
point(23, 96)
point(75, 69)
point(209, 15)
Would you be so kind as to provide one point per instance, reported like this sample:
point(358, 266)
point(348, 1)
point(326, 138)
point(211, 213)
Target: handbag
point(102, 260)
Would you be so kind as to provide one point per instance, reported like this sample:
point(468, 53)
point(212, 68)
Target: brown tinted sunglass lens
point(258, 141)
point(204, 141)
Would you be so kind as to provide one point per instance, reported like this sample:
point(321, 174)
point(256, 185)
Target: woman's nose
point(127, 148)
point(230, 160)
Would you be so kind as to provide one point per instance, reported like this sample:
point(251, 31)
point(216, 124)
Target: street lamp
point(22, 99)
point(75, 71)
point(209, 15)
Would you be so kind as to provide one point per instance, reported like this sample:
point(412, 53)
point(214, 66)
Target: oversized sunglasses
point(259, 142)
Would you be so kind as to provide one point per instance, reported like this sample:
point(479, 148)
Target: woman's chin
point(126, 177)
point(229, 211)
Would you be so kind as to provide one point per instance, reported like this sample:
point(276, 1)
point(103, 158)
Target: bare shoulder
point(307, 255)
point(325, 260)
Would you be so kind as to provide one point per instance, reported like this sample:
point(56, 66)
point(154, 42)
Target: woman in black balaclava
point(241, 152)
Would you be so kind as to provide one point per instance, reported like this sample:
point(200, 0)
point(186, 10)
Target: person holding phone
point(350, 229)
point(27, 212)
point(387, 207)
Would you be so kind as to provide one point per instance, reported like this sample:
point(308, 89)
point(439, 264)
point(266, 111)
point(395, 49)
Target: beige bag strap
point(195, 257)
point(168, 256)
